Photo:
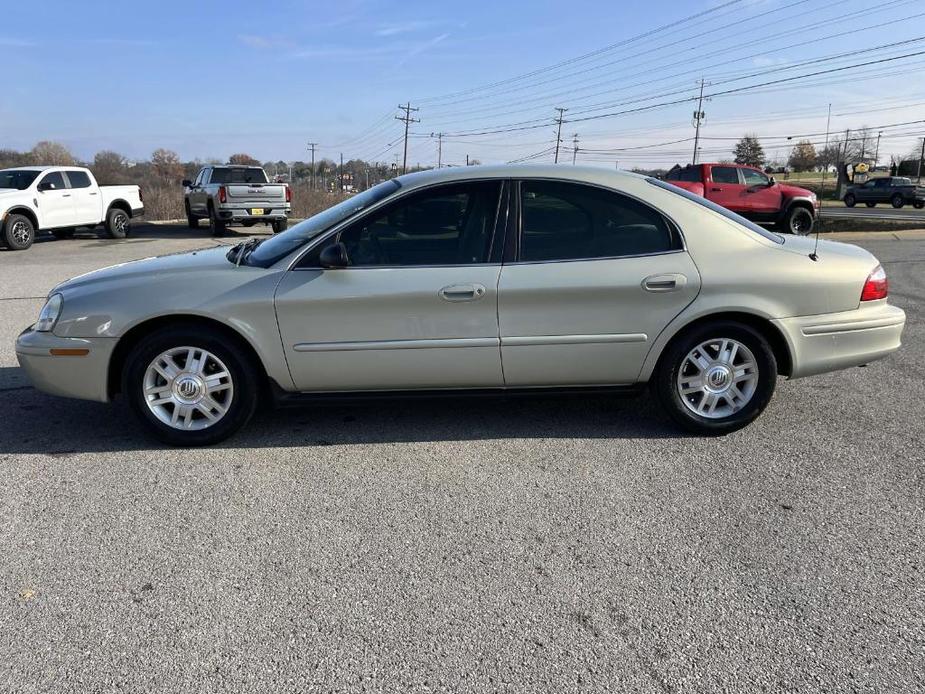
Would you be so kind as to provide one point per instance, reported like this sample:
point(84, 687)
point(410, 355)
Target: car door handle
point(66, 195)
point(664, 283)
point(462, 292)
point(92, 193)
point(716, 190)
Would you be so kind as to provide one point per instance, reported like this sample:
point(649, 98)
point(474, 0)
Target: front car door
point(761, 200)
point(595, 277)
point(198, 201)
point(726, 188)
point(55, 204)
point(86, 199)
point(416, 308)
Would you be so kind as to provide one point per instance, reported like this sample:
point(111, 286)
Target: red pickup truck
point(751, 193)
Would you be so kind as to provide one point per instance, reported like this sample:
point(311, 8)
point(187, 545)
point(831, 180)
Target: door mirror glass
point(187, 183)
point(334, 256)
point(771, 181)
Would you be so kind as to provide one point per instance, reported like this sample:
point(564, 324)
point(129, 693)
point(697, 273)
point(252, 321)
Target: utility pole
point(825, 164)
point(921, 157)
point(467, 160)
point(439, 137)
point(311, 146)
point(341, 172)
point(699, 116)
point(407, 120)
point(574, 148)
point(559, 130)
point(877, 151)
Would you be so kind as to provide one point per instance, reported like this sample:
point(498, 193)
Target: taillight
point(876, 286)
point(141, 197)
point(288, 194)
point(222, 195)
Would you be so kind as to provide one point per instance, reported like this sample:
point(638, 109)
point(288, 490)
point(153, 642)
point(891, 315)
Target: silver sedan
point(470, 280)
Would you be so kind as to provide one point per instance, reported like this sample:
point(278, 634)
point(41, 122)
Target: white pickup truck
point(60, 199)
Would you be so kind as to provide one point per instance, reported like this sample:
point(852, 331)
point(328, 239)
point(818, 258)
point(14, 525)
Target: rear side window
point(78, 179)
point(237, 174)
point(569, 221)
point(725, 174)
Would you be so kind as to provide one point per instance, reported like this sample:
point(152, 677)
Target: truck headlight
point(49, 315)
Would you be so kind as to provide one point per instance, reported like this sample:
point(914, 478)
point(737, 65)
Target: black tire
point(280, 225)
point(918, 204)
point(871, 204)
point(192, 221)
point(18, 232)
point(243, 377)
point(897, 201)
point(798, 220)
point(62, 234)
point(665, 378)
point(216, 226)
point(850, 200)
point(118, 223)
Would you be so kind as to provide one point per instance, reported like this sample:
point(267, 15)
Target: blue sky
point(211, 78)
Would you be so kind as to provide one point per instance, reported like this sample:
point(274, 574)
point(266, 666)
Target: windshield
point(728, 214)
point(282, 244)
point(18, 179)
point(238, 174)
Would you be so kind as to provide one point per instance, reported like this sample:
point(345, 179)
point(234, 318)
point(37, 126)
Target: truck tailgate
point(257, 194)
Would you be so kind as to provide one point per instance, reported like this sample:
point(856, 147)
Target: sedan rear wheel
point(897, 201)
point(716, 378)
point(190, 387)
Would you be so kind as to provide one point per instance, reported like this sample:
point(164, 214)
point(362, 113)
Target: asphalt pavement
point(547, 545)
point(881, 211)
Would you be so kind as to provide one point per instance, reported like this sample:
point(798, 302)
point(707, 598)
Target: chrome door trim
point(373, 345)
point(608, 338)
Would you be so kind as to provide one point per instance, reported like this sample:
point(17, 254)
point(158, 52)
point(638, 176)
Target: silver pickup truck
point(230, 194)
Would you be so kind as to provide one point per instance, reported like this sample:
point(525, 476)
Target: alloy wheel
point(188, 388)
point(21, 233)
point(717, 378)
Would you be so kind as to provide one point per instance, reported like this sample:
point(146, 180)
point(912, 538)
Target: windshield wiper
point(239, 252)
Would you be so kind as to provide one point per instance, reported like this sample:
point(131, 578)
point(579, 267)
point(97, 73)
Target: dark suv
point(895, 190)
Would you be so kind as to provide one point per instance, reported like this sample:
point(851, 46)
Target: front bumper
point(85, 377)
point(833, 341)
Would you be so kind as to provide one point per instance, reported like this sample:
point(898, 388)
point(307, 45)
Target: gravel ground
point(549, 545)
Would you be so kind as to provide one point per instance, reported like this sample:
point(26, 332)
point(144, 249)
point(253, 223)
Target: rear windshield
point(237, 174)
point(18, 179)
point(728, 214)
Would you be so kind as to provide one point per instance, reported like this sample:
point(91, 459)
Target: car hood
point(12, 191)
point(153, 268)
point(795, 191)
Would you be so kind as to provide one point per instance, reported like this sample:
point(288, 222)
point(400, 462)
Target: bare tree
point(48, 153)
point(108, 167)
point(167, 165)
point(243, 160)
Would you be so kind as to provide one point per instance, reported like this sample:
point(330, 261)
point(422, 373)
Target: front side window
point(725, 174)
point(52, 181)
point(78, 179)
point(569, 221)
point(754, 178)
point(447, 225)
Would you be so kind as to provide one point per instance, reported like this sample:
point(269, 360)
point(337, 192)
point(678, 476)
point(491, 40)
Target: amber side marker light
point(71, 352)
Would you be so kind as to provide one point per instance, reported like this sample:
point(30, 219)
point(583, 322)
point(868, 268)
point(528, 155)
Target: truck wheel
point(62, 234)
point(871, 204)
point(118, 223)
point(850, 200)
point(897, 201)
point(192, 221)
point(918, 204)
point(280, 225)
point(216, 226)
point(798, 221)
point(18, 232)
point(716, 378)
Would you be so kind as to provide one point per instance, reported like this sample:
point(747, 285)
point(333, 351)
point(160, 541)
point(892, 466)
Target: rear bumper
point(83, 377)
point(835, 341)
point(243, 214)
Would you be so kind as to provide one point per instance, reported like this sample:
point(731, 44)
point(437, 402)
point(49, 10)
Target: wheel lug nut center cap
point(188, 388)
point(718, 379)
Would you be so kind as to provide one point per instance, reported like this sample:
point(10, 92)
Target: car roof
point(44, 168)
point(564, 172)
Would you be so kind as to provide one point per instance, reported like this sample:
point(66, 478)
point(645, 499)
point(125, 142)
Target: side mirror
point(334, 256)
point(187, 183)
point(43, 186)
point(771, 181)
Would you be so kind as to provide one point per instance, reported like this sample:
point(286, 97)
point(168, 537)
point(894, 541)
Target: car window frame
point(70, 184)
point(513, 246)
point(766, 182)
point(740, 180)
point(496, 247)
point(47, 174)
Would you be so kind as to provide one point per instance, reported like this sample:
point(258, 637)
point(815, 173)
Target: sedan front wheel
point(190, 387)
point(716, 378)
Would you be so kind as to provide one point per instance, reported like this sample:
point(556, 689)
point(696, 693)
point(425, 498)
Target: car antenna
point(814, 256)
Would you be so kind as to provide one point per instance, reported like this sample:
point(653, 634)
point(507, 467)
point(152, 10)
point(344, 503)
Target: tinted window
point(18, 179)
point(691, 174)
point(728, 214)
point(53, 181)
point(725, 174)
point(754, 178)
point(242, 174)
point(448, 225)
point(881, 183)
point(902, 181)
point(78, 179)
point(567, 221)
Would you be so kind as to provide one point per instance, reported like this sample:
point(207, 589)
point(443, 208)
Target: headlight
point(49, 315)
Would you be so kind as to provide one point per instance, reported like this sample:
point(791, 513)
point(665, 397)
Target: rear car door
point(725, 188)
point(55, 203)
point(417, 306)
point(595, 276)
point(86, 198)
